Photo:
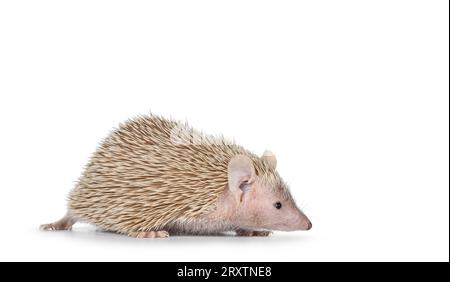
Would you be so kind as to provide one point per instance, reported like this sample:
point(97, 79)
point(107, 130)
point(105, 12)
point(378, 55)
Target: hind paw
point(55, 226)
point(149, 234)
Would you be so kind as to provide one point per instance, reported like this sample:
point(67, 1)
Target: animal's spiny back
point(148, 173)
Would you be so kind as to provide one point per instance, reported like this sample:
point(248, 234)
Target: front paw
point(251, 233)
point(149, 234)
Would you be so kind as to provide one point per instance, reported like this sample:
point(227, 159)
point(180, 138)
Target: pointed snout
point(304, 223)
point(297, 220)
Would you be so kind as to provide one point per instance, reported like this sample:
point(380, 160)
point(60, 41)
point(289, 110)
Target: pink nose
point(305, 224)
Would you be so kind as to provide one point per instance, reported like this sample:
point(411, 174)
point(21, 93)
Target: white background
point(352, 96)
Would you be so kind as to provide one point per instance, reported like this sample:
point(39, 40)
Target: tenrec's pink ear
point(270, 158)
point(240, 172)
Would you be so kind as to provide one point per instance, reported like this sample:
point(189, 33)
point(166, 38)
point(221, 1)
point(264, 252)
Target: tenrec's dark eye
point(277, 205)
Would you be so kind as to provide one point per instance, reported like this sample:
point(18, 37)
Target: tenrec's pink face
point(270, 208)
